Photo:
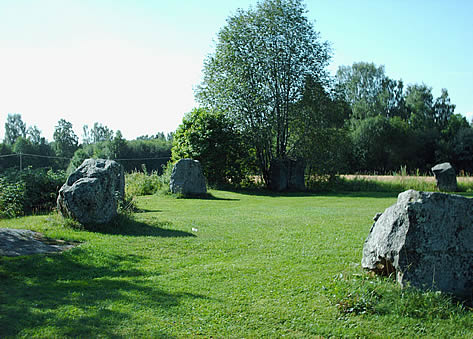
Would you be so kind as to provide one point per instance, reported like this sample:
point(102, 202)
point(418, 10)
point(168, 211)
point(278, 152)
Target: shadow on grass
point(341, 194)
point(271, 194)
point(206, 196)
point(146, 210)
point(78, 294)
point(126, 225)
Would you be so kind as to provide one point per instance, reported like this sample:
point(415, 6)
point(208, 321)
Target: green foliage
point(463, 149)
point(11, 198)
point(152, 153)
point(258, 71)
point(318, 135)
point(138, 183)
point(212, 138)
point(14, 128)
point(419, 102)
point(98, 133)
point(65, 141)
point(34, 135)
point(30, 190)
point(33, 154)
point(379, 144)
point(359, 294)
point(363, 85)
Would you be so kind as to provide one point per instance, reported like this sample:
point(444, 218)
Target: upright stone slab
point(446, 177)
point(425, 239)
point(187, 178)
point(287, 175)
point(91, 193)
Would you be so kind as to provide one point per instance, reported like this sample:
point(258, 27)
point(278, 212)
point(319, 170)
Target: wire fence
point(21, 155)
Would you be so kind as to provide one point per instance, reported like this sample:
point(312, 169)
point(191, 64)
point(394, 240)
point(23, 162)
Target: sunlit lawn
point(238, 265)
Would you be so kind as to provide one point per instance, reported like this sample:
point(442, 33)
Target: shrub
point(30, 190)
point(140, 183)
point(11, 199)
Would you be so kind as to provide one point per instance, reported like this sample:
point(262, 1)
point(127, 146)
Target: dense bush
point(11, 198)
point(213, 139)
point(141, 183)
point(29, 191)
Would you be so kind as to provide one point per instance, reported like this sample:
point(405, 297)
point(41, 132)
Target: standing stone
point(287, 174)
point(425, 239)
point(446, 177)
point(187, 178)
point(91, 193)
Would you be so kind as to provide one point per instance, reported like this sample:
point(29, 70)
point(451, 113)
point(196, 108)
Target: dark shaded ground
point(14, 242)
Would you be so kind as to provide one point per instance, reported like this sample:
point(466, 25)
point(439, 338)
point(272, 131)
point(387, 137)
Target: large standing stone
point(446, 177)
point(425, 239)
point(287, 174)
point(187, 178)
point(91, 193)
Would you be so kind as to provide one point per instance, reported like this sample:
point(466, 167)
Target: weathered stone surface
point(187, 178)
point(15, 242)
point(426, 240)
point(446, 177)
point(287, 175)
point(91, 193)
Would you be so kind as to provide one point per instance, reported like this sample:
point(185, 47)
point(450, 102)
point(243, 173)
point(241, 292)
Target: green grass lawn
point(238, 265)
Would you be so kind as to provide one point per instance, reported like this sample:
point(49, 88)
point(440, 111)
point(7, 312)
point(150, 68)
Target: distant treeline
point(360, 121)
point(24, 147)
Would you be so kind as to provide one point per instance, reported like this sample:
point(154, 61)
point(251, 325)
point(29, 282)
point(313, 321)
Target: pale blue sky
point(132, 65)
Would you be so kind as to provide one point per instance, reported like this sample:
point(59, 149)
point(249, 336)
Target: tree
point(86, 137)
point(100, 133)
point(211, 138)
point(419, 102)
point(370, 92)
point(258, 71)
point(96, 134)
point(443, 110)
point(117, 146)
point(14, 128)
point(463, 149)
point(65, 140)
point(318, 133)
point(34, 135)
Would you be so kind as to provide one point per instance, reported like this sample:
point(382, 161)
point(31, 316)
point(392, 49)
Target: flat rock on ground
point(15, 242)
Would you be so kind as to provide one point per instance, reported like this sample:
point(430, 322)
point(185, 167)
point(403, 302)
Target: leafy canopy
point(257, 73)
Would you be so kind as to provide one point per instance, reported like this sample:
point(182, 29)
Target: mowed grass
point(236, 265)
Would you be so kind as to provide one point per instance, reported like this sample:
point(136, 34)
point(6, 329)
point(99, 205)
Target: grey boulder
point(425, 240)
point(187, 178)
point(91, 193)
point(446, 177)
point(16, 242)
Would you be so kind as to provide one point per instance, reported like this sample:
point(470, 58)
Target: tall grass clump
point(397, 182)
point(362, 294)
point(138, 183)
point(394, 184)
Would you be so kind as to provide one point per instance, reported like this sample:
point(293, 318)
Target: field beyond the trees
point(394, 178)
point(233, 265)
